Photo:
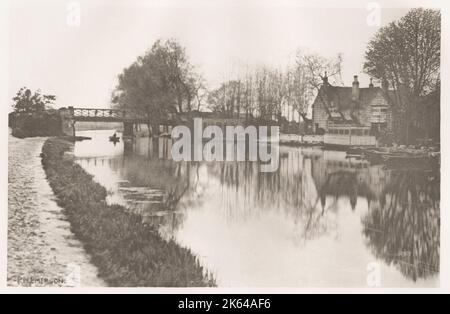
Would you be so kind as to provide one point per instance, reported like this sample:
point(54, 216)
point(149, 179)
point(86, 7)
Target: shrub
point(320, 131)
point(45, 123)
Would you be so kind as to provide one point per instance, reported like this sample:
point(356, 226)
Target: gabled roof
point(339, 103)
point(342, 96)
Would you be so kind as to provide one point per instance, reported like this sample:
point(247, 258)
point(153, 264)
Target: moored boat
point(375, 156)
point(411, 161)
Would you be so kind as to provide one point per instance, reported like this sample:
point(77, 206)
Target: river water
point(320, 220)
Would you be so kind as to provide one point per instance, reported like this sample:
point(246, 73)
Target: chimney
point(371, 83)
point(355, 88)
point(325, 79)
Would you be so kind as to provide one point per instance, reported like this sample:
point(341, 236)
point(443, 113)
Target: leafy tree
point(175, 69)
point(26, 101)
point(33, 114)
point(406, 55)
point(159, 83)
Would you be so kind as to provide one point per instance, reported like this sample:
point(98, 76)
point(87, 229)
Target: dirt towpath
point(42, 251)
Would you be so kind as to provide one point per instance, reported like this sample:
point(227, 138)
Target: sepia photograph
point(223, 144)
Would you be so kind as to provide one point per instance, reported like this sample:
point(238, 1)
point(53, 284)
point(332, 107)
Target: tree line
point(163, 82)
point(271, 93)
point(403, 56)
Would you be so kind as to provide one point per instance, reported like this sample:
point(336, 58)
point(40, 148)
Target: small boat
point(114, 138)
point(355, 151)
point(355, 156)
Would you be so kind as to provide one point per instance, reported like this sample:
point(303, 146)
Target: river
point(320, 220)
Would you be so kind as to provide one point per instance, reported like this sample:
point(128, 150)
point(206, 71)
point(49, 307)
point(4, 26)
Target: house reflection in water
point(402, 225)
point(313, 198)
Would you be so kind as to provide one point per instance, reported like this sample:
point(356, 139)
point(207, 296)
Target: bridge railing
point(101, 113)
point(118, 115)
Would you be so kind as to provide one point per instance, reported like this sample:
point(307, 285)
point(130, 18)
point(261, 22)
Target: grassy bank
point(126, 252)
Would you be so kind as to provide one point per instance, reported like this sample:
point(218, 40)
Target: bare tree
point(308, 76)
point(266, 92)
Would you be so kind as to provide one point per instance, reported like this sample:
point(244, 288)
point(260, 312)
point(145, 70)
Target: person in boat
point(114, 137)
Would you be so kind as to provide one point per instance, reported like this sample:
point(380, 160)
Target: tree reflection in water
point(402, 227)
point(247, 193)
point(176, 180)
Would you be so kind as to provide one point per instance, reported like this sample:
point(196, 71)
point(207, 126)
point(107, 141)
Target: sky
point(80, 63)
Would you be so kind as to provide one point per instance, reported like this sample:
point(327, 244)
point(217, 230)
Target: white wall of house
point(349, 140)
point(378, 111)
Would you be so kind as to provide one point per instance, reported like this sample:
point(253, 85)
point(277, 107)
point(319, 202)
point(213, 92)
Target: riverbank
point(399, 157)
point(126, 252)
point(327, 140)
point(42, 251)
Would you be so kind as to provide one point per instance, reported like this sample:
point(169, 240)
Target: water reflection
point(402, 226)
point(317, 221)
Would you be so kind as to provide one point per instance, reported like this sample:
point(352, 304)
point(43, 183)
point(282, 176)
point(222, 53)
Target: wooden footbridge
point(129, 118)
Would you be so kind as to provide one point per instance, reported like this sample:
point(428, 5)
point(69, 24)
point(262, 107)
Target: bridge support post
point(67, 121)
point(128, 129)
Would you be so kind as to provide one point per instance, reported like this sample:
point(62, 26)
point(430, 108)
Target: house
point(352, 110)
